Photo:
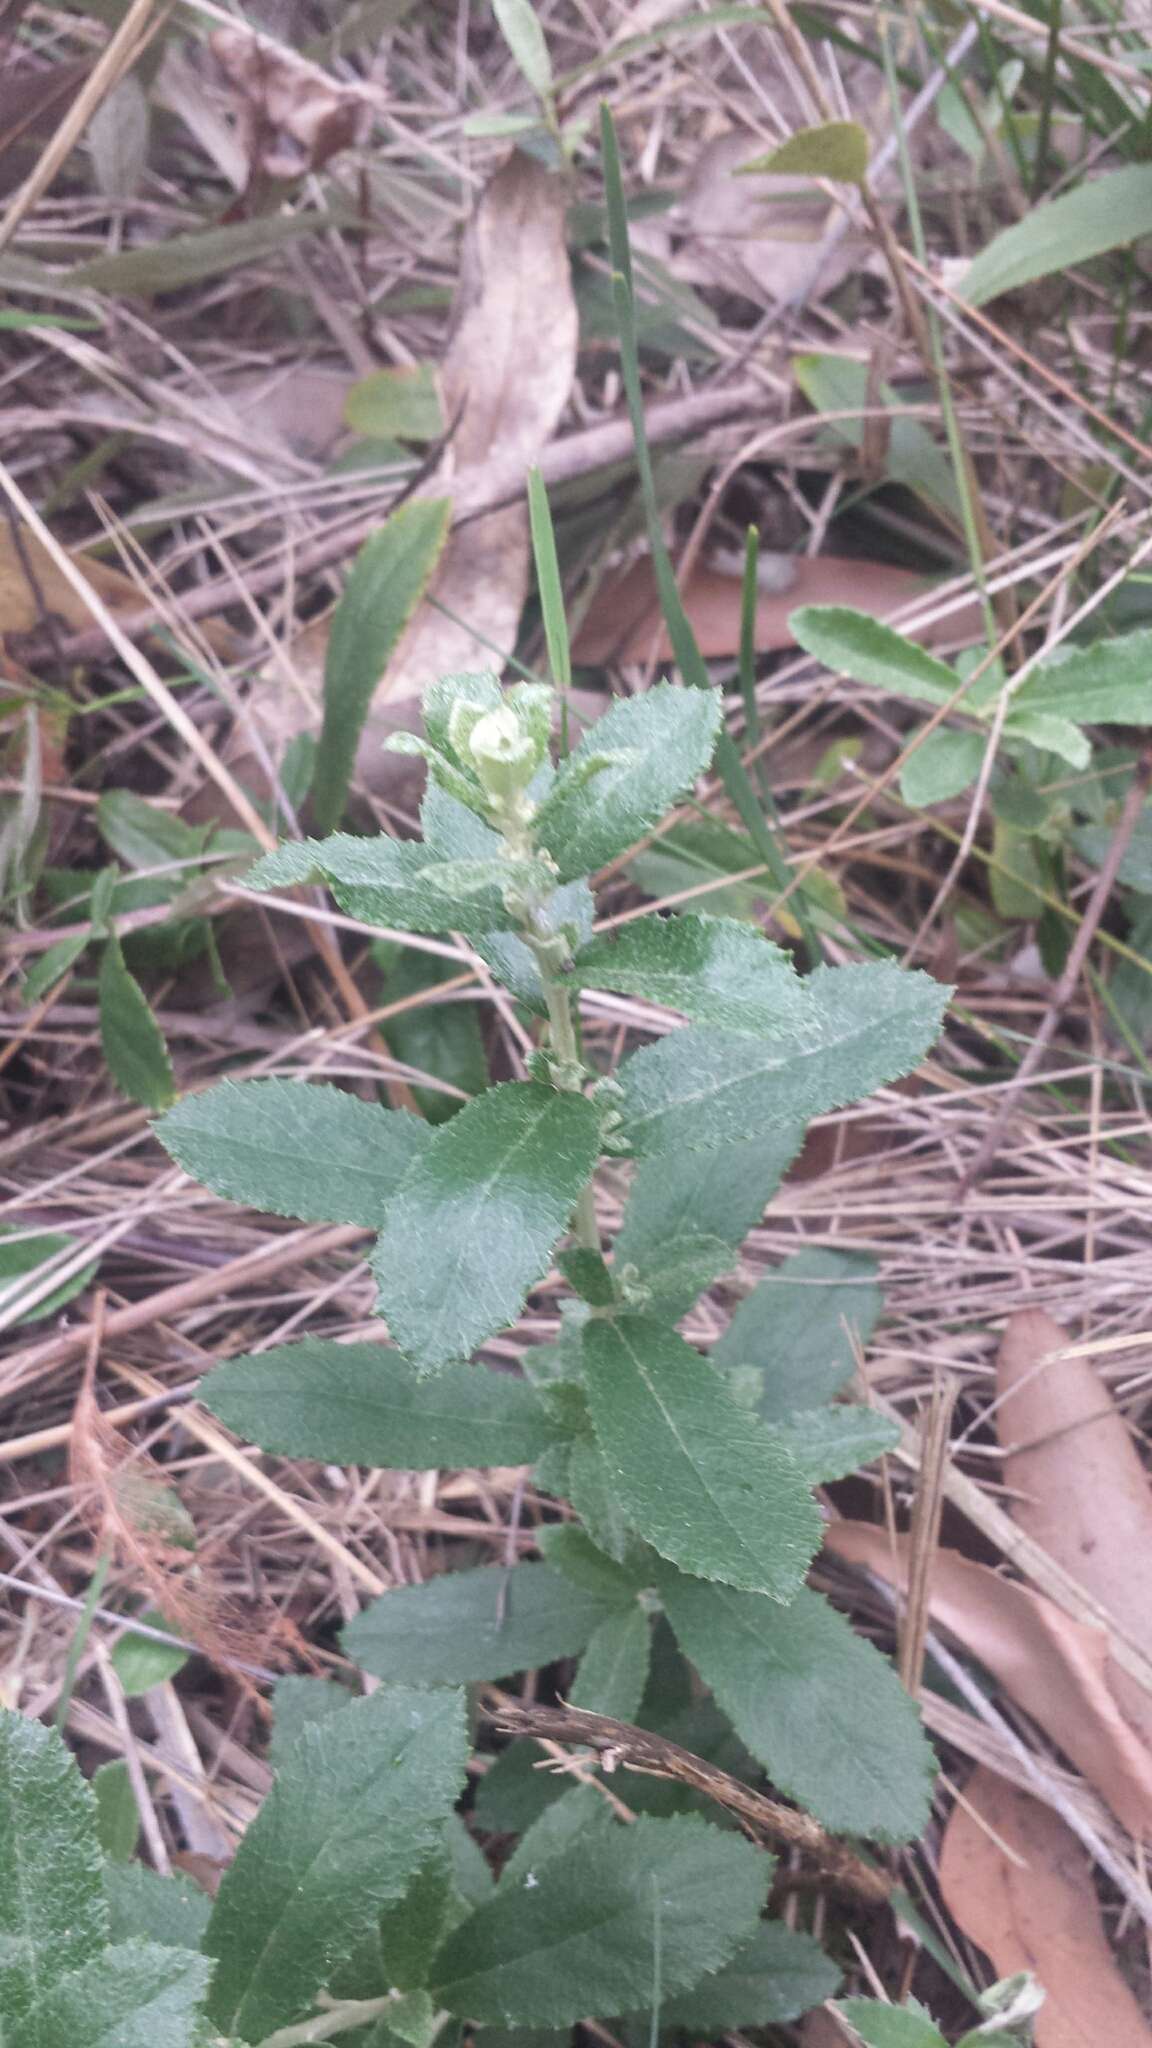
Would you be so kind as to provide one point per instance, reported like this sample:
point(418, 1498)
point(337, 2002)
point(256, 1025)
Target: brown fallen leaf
point(1079, 1486)
point(505, 380)
point(1038, 1914)
point(621, 622)
point(768, 237)
point(1057, 1670)
point(292, 117)
point(31, 587)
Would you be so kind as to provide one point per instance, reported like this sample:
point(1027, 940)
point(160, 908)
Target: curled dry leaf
point(623, 622)
point(292, 117)
point(1038, 1913)
point(1054, 1668)
point(1078, 1486)
point(505, 382)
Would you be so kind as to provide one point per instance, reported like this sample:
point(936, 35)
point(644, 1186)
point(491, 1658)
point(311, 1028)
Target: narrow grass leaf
point(818, 1706)
point(132, 1040)
point(865, 1025)
point(135, 1995)
point(302, 1149)
point(356, 1809)
point(695, 1475)
point(471, 1625)
point(851, 643)
point(364, 1404)
point(53, 1912)
point(1106, 213)
point(388, 579)
point(478, 1215)
point(581, 1940)
point(550, 587)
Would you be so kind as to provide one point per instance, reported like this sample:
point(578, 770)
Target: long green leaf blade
point(1107, 213)
point(477, 1217)
point(696, 1476)
point(132, 1040)
point(855, 644)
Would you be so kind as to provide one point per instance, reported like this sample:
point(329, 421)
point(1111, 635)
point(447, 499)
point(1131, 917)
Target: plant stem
point(567, 1054)
point(340, 2018)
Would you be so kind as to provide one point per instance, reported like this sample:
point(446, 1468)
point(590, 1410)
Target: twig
point(1065, 988)
point(637, 1749)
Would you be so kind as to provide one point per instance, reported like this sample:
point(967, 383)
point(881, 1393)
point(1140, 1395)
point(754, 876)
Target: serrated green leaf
point(132, 1040)
point(386, 583)
point(143, 835)
point(524, 36)
point(399, 403)
point(355, 1811)
point(592, 1495)
point(186, 259)
point(585, 1938)
point(53, 1912)
point(696, 1477)
point(673, 1278)
point(136, 1995)
point(1109, 683)
point(821, 1709)
point(721, 1194)
point(832, 149)
point(117, 1814)
point(713, 969)
point(303, 1149)
point(578, 1811)
point(20, 1260)
point(143, 1906)
point(389, 882)
point(363, 1404)
point(797, 1327)
point(654, 748)
point(944, 765)
point(296, 1703)
point(438, 1038)
point(1106, 213)
point(512, 1794)
point(776, 1977)
point(855, 644)
point(477, 1216)
point(572, 1550)
point(1052, 735)
point(828, 1443)
point(614, 1668)
point(864, 1026)
point(140, 1662)
point(52, 964)
point(465, 1626)
point(889, 2026)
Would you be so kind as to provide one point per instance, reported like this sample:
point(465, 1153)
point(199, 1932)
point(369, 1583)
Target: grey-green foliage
point(477, 1624)
point(53, 1912)
point(799, 1328)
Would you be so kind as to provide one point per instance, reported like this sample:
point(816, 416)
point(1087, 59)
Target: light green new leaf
point(477, 1216)
point(140, 1662)
point(388, 579)
point(524, 36)
point(653, 747)
point(363, 1404)
point(1107, 213)
point(1109, 683)
point(943, 765)
point(1052, 734)
point(862, 1026)
point(614, 1668)
point(303, 1149)
point(586, 1938)
point(53, 1913)
point(828, 1443)
point(147, 1907)
point(714, 969)
point(889, 2026)
point(396, 883)
point(132, 1040)
point(855, 644)
point(401, 402)
point(20, 1261)
point(117, 1814)
point(821, 1709)
point(466, 1626)
point(722, 1195)
point(136, 1995)
point(798, 1325)
point(833, 149)
point(696, 1476)
point(356, 1809)
point(775, 1978)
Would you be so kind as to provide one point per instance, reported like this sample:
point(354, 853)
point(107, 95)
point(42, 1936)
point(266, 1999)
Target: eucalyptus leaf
point(303, 1149)
point(187, 259)
point(478, 1215)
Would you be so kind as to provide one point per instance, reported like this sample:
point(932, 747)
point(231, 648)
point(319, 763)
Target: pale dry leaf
point(32, 586)
point(1053, 1667)
point(1078, 1486)
point(621, 622)
point(768, 237)
point(505, 379)
point(1039, 1914)
point(292, 118)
